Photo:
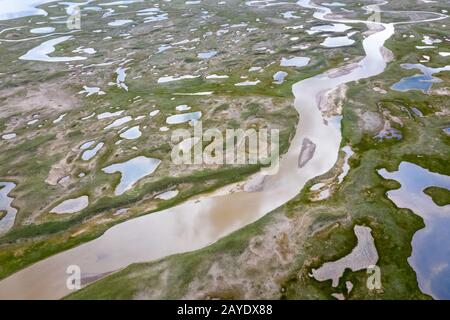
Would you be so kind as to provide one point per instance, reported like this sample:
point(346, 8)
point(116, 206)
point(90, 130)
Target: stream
point(198, 223)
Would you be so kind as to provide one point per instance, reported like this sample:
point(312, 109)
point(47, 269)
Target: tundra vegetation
point(273, 257)
point(45, 158)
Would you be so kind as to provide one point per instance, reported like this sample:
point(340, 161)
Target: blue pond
point(422, 82)
point(389, 134)
point(430, 256)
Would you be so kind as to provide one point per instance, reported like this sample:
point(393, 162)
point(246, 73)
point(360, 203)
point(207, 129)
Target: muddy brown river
point(198, 223)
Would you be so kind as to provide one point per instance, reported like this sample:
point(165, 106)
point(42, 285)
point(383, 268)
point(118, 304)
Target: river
point(198, 223)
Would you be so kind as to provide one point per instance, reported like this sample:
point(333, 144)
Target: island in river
point(72, 109)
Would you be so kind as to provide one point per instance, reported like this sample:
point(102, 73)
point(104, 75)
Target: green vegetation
point(440, 196)
point(271, 258)
point(44, 153)
point(321, 231)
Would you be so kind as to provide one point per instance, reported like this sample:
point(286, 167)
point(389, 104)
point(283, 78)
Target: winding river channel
point(198, 223)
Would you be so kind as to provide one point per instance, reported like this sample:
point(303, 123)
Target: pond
point(207, 54)
point(167, 195)
point(118, 122)
point(294, 62)
point(184, 117)
point(363, 256)
point(422, 82)
point(279, 77)
point(22, 8)
point(335, 27)
point(430, 256)
point(89, 154)
point(71, 205)
point(9, 136)
point(6, 221)
point(335, 42)
point(132, 171)
point(42, 30)
point(131, 133)
point(42, 51)
point(118, 23)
